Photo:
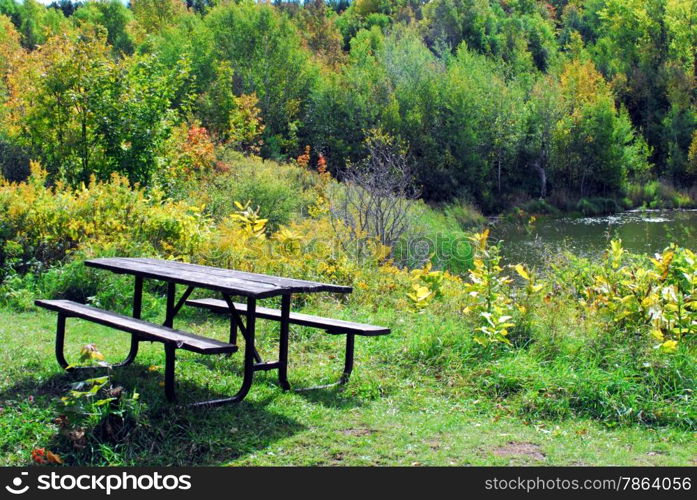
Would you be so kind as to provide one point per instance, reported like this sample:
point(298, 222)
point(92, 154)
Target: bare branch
point(376, 193)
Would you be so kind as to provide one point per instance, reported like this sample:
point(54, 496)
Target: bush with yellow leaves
point(42, 225)
point(658, 296)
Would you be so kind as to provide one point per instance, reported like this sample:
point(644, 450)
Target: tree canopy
point(496, 101)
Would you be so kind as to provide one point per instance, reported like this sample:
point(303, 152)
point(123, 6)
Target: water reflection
point(640, 231)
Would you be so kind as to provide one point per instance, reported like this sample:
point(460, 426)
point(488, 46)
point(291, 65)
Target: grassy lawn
point(391, 413)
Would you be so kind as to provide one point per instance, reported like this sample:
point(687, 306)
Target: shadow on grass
point(336, 396)
point(160, 433)
point(328, 395)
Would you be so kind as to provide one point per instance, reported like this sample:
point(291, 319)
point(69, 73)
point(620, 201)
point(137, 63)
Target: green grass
point(395, 410)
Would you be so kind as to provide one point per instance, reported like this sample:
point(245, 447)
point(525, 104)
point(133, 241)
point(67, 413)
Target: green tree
point(545, 109)
point(34, 21)
point(363, 15)
point(317, 24)
point(14, 163)
point(156, 15)
point(50, 105)
point(265, 51)
point(632, 51)
point(594, 147)
point(10, 50)
point(112, 15)
point(80, 112)
point(681, 24)
point(231, 119)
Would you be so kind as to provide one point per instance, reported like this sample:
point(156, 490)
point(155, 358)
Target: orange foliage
point(199, 147)
point(304, 159)
point(195, 152)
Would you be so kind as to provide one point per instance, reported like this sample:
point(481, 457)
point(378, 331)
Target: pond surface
point(640, 231)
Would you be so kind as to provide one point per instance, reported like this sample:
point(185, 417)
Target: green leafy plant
point(249, 220)
point(426, 286)
point(488, 293)
point(659, 297)
point(96, 404)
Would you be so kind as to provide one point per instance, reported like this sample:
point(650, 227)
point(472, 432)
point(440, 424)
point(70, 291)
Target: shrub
point(437, 236)
point(651, 299)
point(497, 306)
point(658, 194)
point(14, 162)
point(83, 112)
point(540, 207)
point(466, 214)
point(280, 190)
point(597, 206)
point(42, 226)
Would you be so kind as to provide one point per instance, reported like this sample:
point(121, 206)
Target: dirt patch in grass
point(358, 432)
point(515, 448)
point(433, 444)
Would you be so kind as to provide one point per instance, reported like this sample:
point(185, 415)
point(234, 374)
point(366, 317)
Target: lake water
point(646, 231)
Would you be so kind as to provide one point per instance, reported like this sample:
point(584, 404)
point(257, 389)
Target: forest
point(382, 145)
point(494, 103)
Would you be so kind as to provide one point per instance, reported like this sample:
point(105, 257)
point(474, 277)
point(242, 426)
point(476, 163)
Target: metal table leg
point(348, 360)
point(172, 308)
point(283, 343)
point(170, 358)
point(237, 323)
point(249, 355)
point(60, 342)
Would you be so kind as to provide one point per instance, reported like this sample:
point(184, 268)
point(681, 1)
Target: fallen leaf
point(38, 455)
point(54, 458)
point(77, 436)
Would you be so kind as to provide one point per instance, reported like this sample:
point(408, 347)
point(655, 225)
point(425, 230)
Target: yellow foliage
point(47, 224)
point(520, 269)
point(657, 298)
point(692, 156)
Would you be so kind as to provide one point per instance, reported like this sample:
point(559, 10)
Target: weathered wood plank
point(296, 285)
point(145, 330)
point(290, 284)
point(188, 276)
point(329, 324)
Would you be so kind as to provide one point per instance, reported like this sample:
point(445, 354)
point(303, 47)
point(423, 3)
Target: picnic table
point(228, 283)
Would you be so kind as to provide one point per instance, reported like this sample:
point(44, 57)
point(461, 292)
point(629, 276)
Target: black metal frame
point(252, 360)
point(248, 332)
point(258, 364)
point(133, 350)
point(348, 359)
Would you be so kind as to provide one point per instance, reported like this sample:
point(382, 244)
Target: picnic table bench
point(228, 283)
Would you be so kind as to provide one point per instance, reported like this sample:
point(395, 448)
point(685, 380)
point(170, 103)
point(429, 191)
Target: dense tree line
point(497, 101)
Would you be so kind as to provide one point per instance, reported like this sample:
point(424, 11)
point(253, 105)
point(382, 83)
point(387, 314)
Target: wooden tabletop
point(213, 278)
